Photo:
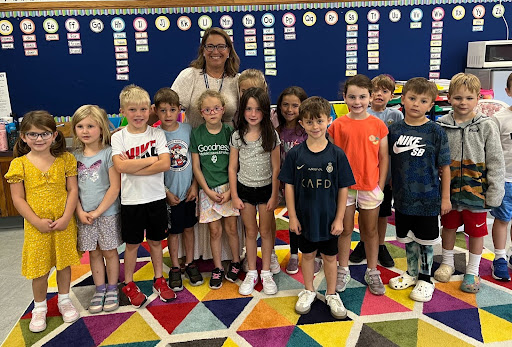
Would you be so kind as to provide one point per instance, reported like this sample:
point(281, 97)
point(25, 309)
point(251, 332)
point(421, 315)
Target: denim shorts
point(504, 212)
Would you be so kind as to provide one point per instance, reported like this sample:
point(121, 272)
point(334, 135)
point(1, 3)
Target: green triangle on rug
point(198, 320)
point(369, 337)
point(300, 338)
point(402, 332)
point(30, 338)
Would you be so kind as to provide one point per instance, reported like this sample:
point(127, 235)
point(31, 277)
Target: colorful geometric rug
point(204, 317)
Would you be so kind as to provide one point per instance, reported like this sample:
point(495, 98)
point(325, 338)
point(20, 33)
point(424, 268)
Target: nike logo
point(300, 167)
point(479, 225)
point(398, 150)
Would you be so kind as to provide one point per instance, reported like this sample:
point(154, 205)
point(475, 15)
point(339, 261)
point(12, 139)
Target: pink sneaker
point(38, 321)
point(68, 311)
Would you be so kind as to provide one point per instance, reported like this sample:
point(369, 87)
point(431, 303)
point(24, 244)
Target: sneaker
point(269, 286)
point(334, 302)
point(161, 288)
point(233, 271)
point(318, 266)
point(306, 299)
point(293, 266)
point(422, 292)
point(385, 259)
point(374, 282)
point(245, 265)
point(96, 304)
point(216, 279)
point(342, 279)
point(248, 284)
point(499, 270)
point(510, 262)
point(275, 267)
point(68, 311)
point(111, 300)
point(136, 297)
point(193, 274)
point(38, 321)
point(175, 281)
point(358, 254)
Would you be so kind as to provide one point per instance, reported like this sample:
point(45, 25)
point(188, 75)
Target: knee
point(329, 259)
point(215, 233)
point(154, 244)
point(309, 256)
point(172, 237)
point(111, 254)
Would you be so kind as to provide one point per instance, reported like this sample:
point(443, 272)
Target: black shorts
point(254, 195)
point(385, 207)
point(329, 247)
point(151, 217)
point(182, 216)
point(423, 227)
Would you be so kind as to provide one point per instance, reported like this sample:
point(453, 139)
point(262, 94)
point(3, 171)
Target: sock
point(448, 257)
point(473, 264)
point(265, 272)
point(101, 289)
point(424, 277)
point(253, 272)
point(500, 253)
point(346, 268)
point(295, 256)
point(40, 306)
point(63, 297)
point(111, 287)
point(368, 269)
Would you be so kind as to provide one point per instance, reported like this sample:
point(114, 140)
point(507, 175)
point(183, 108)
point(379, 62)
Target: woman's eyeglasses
point(33, 136)
point(213, 110)
point(220, 48)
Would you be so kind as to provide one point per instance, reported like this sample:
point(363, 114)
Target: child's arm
point(337, 224)
point(130, 166)
point(289, 196)
point(196, 167)
point(232, 171)
point(383, 162)
point(161, 165)
point(172, 199)
point(111, 194)
point(83, 217)
point(71, 201)
point(446, 204)
point(24, 209)
point(495, 165)
point(275, 160)
point(192, 191)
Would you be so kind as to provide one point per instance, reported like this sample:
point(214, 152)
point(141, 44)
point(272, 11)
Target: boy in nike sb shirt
point(418, 148)
point(477, 180)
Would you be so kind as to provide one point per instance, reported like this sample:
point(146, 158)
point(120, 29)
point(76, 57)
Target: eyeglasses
point(220, 48)
point(213, 110)
point(45, 136)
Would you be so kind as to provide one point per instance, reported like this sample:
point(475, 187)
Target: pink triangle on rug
point(101, 326)
point(268, 337)
point(442, 302)
point(396, 243)
point(379, 304)
point(138, 266)
point(181, 297)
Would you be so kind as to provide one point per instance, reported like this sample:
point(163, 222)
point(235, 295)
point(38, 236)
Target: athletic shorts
point(385, 207)
point(422, 229)
point(365, 199)
point(150, 217)
point(254, 195)
point(329, 247)
point(182, 216)
point(504, 212)
point(475, 223)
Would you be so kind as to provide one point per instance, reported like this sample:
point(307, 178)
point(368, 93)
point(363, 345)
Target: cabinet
point(6, 206)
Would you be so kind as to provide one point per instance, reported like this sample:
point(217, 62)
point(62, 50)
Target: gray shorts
point(104, 232)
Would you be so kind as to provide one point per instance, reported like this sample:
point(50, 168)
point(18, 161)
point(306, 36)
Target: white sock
point(346, 269)
point(40, 306)
point(265, 272)
point(473, 264)
point(448, 257)
point(500, 253)
point(253, 272)
point(63, 297)
point(295, 256)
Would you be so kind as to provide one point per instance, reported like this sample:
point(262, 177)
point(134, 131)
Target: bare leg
point(370, 235)
point(97, 266)
point(448, 236)
point(383, 225)
point(215, 242)
point(232, 232)
point(308, 269)
point(266, 235)
point(188, 238)
point(345, 238)
point(173, 244)
point(476, 245)
point(155, 250)
point(40, 287)
point(499, 234)
point(130, 259)
point(64, 280)
point(112, 261)
point(251, 232)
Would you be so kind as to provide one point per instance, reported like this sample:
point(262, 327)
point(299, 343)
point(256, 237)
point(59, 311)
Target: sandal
point(444, 273)
point(470, 284)
point(96, 304)
point(422, 292)
point(403, 281)
point(111, 300)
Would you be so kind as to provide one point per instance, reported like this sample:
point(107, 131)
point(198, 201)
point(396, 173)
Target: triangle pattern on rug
point(494, 328)
point(285, 306)
point(490, 296)
point(300, 338)
point(402, 332)
point(76, 334)
point(353, 298)
point(502, 311)
point(374, 304)
point(134, 329)
point(51, 302)
point(263, 316)
point(453, 289)
point(181, 298)
point(369, 337)
point(141, 252)
point(320, 313)
point(170, 316)
point(228, 290)
point(287, 282)
point(277, 336)
point(136, 344)
point(101, 326)
point(227, 310)
point(401, 296)
point(442, 302)
point(30, 338)
point(329, 334)
point(198, 320)
point(216, 342)
point(138, 266)
point(428, 333)
point(469, 325)
point(503, 284)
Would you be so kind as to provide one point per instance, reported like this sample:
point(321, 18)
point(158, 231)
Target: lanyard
point(205, 76)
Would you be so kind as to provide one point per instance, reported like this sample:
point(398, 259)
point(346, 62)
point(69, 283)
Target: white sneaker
point(269, 286)
point(422, 292)
point(338, 310)
point(275, 267)
point(248, 284)
point(68, 311)
point(306, 299)
point(38, 321)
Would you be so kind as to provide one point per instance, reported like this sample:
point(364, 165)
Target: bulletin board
point(61, 69)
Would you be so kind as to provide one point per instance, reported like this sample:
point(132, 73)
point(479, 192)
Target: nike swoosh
point(398, 150)
point(300, 167)
point(479, 225)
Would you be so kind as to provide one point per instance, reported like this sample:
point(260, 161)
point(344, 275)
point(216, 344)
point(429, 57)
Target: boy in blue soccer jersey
point(418, 148)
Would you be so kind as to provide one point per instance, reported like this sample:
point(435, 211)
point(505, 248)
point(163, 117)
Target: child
point(317, 175)
point(503, 214)
point(418, 147)
point(363, 138)
point(98, 208)
point(140, 154)
point(478, 178)
point(180, 187)
point(383, 87)
point(45, 191)
point(255, 150)
point(210, 159)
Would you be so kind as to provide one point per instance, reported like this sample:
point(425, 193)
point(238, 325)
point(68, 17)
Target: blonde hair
point(210, 93)
point(466, 80)
point(255, 76)
point(99, 116)
point(132, 94)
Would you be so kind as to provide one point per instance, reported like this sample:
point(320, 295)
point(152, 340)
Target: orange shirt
point(360, 140)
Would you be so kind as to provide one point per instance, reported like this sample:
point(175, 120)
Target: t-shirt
point(213, 150)
point(94, 181)
point(137, 190)
point(417, 152)
point(504, 121)
point(317, 178)
point(179, 178)
point(388, 116)
point(255, 163)
point(291, 137)
point(360, 140)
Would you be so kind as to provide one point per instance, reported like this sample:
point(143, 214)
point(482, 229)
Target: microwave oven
point(485, 54)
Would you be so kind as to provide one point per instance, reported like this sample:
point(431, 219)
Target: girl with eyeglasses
point(44, 190)
point(210, 158)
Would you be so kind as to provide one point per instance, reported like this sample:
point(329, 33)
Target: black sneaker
point(175, 281)
point(216, 279)
point(233, 271)
point(385, 259)
point(193, 274)
point(358, 254)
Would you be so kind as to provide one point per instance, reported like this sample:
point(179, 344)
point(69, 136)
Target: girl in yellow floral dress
point(45, 192)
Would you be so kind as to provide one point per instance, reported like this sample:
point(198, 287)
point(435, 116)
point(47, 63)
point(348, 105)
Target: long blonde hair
point(98, 115)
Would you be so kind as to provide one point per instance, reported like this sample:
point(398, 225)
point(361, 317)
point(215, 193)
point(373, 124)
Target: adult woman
point(215, 67)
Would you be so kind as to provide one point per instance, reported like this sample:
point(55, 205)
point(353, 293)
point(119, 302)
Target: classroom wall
point(316, 59)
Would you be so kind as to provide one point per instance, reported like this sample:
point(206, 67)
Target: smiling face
point(137, 116)
point(357, 100)
point(217, 58)
point(88, 131)
point(290, 109)
point(463, 102)
point(315, 127)
point(39, 139)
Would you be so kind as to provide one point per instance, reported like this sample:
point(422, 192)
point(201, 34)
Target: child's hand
point(272, 203)
point(214, 195)
point(446, 206)
point(93, 215)
point(43, 225)
point(295, 225)
point(123, 156)
point(172, 199)
point(84, 217)
point(226, 196)
point(337, 227)
point(238, 204)
point(192, 193)
point(60, 224)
